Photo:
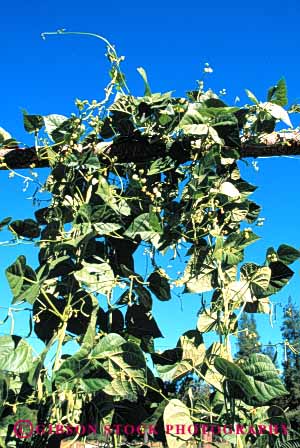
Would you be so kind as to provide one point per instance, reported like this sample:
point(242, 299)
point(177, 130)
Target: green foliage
point(248, 338)
point(291, 365)
point(153, 172)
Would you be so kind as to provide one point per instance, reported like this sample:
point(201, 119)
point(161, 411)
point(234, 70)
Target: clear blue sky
point(248, 46)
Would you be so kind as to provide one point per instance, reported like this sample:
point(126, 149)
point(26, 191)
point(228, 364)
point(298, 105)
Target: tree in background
point(248, 337)
point(291, 365)
point(271, 351)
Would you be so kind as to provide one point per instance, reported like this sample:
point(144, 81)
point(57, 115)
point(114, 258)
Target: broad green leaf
point(4, 222)
point(241, 239)
point(91, 385)
point(257, 276)
point(238, 211)
point(99, 277)
point(22, 413)
point(15, 354)
point(288, 254)
point(172, 372)
point(145, 79)
point(232, 255)
point(293, 443)
point(199, 114)
point(195, 129)
point(254, 211)
point(206, 321)
point(215, 136)
point(22, 281)
point(278, 94)
point(238, 291)
point(109, 195)
point(175, 363)
point(107, 344)
point(261, 305)
point(264, 378)
point(280, 276)
point(33, 123)
point(27, 228)
point(251, 96)
point(192, 346)
point(177, 411)
point(146, 225)
point(210, 373)
point(229, 189)
point(52, 122)
point(159, 285)
point(106, 228)
point(190, 350)
point(70, 370)
point(199, 274)
point(193, 115)
point(161, 165)
point(277, 112)
point(125, 363)
point(233, 373)
point(4, 135)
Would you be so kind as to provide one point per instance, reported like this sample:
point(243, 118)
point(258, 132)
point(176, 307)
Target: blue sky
point(249, 46)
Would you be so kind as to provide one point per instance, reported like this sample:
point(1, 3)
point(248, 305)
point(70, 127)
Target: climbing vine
point(158, 174)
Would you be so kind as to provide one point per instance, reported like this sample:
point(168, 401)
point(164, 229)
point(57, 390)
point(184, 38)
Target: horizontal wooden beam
point(272, 145)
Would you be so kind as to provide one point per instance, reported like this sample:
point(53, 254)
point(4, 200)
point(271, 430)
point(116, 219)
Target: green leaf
point(195, 129)
point(4, 135)
point(125, 363)
point(4, 222)
point(109, 196)
point(22, 281)
point(229, 190)
point(264, 378)
point(293, 443)
point(70, 370)
point(206, 321)
point(52, 123)
point(241, 239)
point(98, 277)
point(251, 96)
point(288, 254)
point(15, 354)
point(161, 165)
point(143, 74)
point(235, 375)
point(159, 285)
point(198, 277)
point(107, 344)
point(278, 94)
point(90, 385)
point(27, 228)
point(258, 277)
point(177, 411)
point(238, 291)
point(234, 245)
point(146, 225)
point(280, 276)
point(106, 228)
point(32, 123)
point(22, 413)
point(277, 112)
point(193, 115)
point(176, 363)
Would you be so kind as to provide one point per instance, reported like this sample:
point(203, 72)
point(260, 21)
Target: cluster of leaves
point(143, 172)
